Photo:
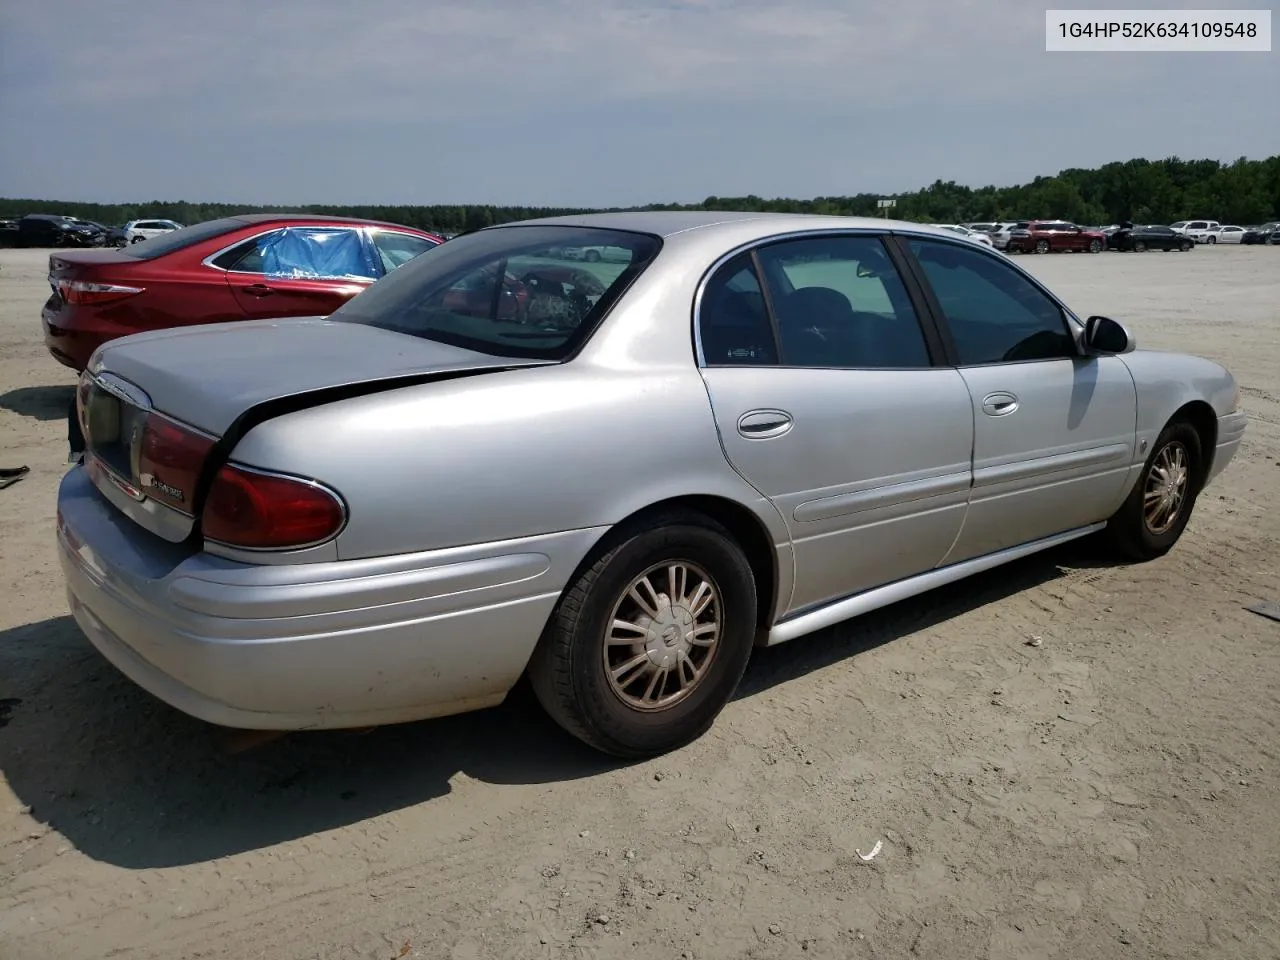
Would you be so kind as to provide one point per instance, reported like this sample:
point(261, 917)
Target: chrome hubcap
point(663, 635)
point(1166, 488)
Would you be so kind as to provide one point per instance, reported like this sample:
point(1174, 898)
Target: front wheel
point(1095, 246)
point(1139, 246)
point(1042, 246)
point(1186, 246)
point(1212, 239)
point(649, 642)
point(1155, 513)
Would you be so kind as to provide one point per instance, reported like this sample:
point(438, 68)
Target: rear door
point(299, 271)
point(824, 385)
point(1054, 430)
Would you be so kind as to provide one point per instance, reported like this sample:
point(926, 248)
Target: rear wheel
point(648, 644)
point(1042, 246)
point(137, 239)
point(1155, 513)
point(1139, 246)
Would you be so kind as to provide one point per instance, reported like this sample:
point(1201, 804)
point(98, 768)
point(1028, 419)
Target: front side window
point(512, 291)
point(995, 314)
point(397, 249)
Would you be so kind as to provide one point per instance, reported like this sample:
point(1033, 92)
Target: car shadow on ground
point(129, 781)
point(39, 403)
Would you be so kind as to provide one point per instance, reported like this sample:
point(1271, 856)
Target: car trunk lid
point(161, 410)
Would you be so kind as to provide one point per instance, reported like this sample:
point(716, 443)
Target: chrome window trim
point(958, 242)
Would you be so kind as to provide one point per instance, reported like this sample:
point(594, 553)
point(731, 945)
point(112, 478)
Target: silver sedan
point(613, 475)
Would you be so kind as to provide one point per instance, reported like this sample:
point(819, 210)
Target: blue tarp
point(308, 253)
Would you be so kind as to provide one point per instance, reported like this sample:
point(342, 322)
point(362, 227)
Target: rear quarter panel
point(510, 454)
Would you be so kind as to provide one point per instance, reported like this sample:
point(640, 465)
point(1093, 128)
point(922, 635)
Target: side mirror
point(1104, 335)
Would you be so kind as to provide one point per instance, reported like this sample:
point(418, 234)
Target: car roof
point(668, 223)
point(251, 218)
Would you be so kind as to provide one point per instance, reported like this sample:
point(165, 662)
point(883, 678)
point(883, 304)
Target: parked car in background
point(115, 237)
point(1268, 233)
point(54, 230)
point(1227, 233)
point(398, 511)
point(1197, 230)
point(237, 268)
point(1000, 235)
point(983, 227)
point(1055, 236)
point(8, 231)
point(1140, 237)
point(135, 231)
point(977, 236)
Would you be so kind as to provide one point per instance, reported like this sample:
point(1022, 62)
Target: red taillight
point(170, 458)
point(262, 511)
point(85, 291)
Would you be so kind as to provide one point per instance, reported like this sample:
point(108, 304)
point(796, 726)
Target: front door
point(1054, 431)
point(829, 403)
point(301, 271)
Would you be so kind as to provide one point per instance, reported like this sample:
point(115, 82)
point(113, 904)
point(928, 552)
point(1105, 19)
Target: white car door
point(832, 400)
point(1054, 430)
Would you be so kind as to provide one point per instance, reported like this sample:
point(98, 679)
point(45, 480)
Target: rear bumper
point(1231, 429)
point(71, 346)
point(308, 645)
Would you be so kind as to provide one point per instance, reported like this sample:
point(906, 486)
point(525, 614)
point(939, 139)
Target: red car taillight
point(85, 291)
point(170, 458)
point(266, 511)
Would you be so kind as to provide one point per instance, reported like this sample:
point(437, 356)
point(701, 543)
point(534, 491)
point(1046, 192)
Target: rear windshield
point(511, 291)
point(178, 239)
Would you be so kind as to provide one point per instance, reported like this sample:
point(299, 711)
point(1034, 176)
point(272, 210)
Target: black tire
point(568, 671)
point(1042, 246)
point(1139, 246)
point(1186, 246)
point(1129, 530)
point(1212, 239)
point(1095, 246)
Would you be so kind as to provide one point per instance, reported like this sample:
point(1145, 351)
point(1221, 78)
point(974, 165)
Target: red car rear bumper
point(71, 335)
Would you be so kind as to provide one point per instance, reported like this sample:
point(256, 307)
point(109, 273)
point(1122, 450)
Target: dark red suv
point(236, 268)
point(1052, 236)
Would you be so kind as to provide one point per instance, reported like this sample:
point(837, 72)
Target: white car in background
point(977, 236)
point(1225, 234)
point(1197, 230)
point(1000, 236)
point(135, 231)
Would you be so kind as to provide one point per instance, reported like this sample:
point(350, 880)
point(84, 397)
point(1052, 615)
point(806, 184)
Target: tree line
point(1144, 191)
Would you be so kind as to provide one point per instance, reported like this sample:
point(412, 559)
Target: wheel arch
point(1204, 421)
point(747, 529)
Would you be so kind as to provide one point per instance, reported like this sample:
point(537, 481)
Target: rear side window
point(733, 324)
point(831, 302)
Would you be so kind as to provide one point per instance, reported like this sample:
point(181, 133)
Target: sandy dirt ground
point(1111, 793)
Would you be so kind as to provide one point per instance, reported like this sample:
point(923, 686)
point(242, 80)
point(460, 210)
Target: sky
point(588, 102)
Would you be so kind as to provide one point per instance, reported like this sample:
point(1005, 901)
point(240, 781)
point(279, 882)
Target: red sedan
point(237, 268)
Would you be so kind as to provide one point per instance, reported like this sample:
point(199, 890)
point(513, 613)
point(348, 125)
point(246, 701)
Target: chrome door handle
point(999, 404)
point(763, 424)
